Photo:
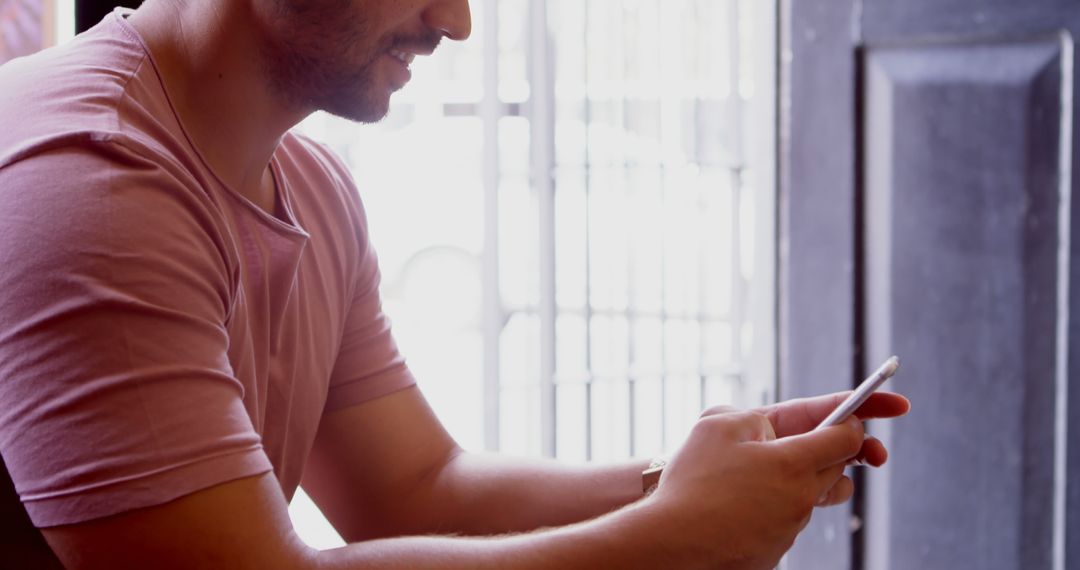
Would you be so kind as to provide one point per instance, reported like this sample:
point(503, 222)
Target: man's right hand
point(740, 496)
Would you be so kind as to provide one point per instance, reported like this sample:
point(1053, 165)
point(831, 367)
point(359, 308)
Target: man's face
point(347, 57)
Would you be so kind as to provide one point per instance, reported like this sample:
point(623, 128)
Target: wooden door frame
point(818, 342)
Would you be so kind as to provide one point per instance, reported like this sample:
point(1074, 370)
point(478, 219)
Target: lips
point(405, 51)
point(399, 72)
point(404, 58)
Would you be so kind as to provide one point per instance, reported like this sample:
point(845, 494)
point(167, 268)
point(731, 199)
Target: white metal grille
point(574, 212)
point(644, 227)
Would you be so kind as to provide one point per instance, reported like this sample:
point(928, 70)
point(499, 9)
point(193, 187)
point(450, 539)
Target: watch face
point(22, 28)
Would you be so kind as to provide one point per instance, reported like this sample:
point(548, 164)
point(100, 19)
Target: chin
point(359, 110)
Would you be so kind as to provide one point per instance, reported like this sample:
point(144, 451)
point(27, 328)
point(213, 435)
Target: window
point(574, 216)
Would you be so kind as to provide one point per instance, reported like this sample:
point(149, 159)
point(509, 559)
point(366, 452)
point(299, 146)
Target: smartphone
point(861, 394)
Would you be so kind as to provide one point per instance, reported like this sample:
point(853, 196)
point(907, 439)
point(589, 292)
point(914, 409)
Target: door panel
point(961, 171)
point(885, 20)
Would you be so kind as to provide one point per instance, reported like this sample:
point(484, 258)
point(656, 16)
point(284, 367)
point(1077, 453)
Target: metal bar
point(725, 162)
point(588, 309)
point(493, 317)
point(631, 310)
point(542, 121)
point(1061, 415)
point(662, 168)
point(699, 221)
point(458, 109)
point(735, 112)
point(64, 21)
point(630, 313)
point(733, 372)
point(763, 154)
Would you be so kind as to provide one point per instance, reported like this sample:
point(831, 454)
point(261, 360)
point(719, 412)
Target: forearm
point(625, 539)
point(478, 494)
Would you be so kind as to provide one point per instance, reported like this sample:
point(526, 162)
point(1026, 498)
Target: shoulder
point(316, 160)
point(321, 178)
point(105, 172)
point(100, 84)
point(330, 208)
point(108, 203)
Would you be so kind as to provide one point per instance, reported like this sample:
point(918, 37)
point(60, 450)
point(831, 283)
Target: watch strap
point(650, 477)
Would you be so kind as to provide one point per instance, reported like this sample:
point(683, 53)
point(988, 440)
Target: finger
point(828, 478)
point(762, 429)
point(873, 453)
point(840, 492)
point(799, 416)
point(883, 405)
point(719, 410)
point(827, 447)
point(805, 522)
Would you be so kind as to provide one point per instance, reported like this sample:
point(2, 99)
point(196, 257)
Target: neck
point(209, 57)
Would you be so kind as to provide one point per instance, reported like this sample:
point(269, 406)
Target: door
point(926, 209)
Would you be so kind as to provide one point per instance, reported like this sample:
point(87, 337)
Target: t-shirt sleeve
point(369, 364)
point(116, 391)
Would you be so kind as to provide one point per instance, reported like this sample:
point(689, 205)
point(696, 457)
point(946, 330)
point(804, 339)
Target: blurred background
point(597, 217)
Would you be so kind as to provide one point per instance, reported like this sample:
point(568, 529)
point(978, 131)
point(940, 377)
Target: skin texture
point(389, 477)
point(734, 496)
point(428, 485)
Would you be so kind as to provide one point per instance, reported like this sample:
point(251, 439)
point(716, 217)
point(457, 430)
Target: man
point(191, 326)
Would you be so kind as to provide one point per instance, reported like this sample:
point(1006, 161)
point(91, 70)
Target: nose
point(449, 17)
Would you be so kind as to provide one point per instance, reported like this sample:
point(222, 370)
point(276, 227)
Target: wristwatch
point(650, 478)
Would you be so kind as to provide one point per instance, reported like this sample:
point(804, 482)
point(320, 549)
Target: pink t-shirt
point(159, 333)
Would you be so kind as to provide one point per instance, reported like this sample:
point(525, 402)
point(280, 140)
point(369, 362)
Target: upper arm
point(372, 461)
point(116, 389)
point(238, 525)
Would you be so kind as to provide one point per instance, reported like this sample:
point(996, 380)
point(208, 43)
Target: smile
point(405, 58)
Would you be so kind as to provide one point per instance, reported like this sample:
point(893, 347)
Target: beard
point(326, 60)
point(315, 84)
